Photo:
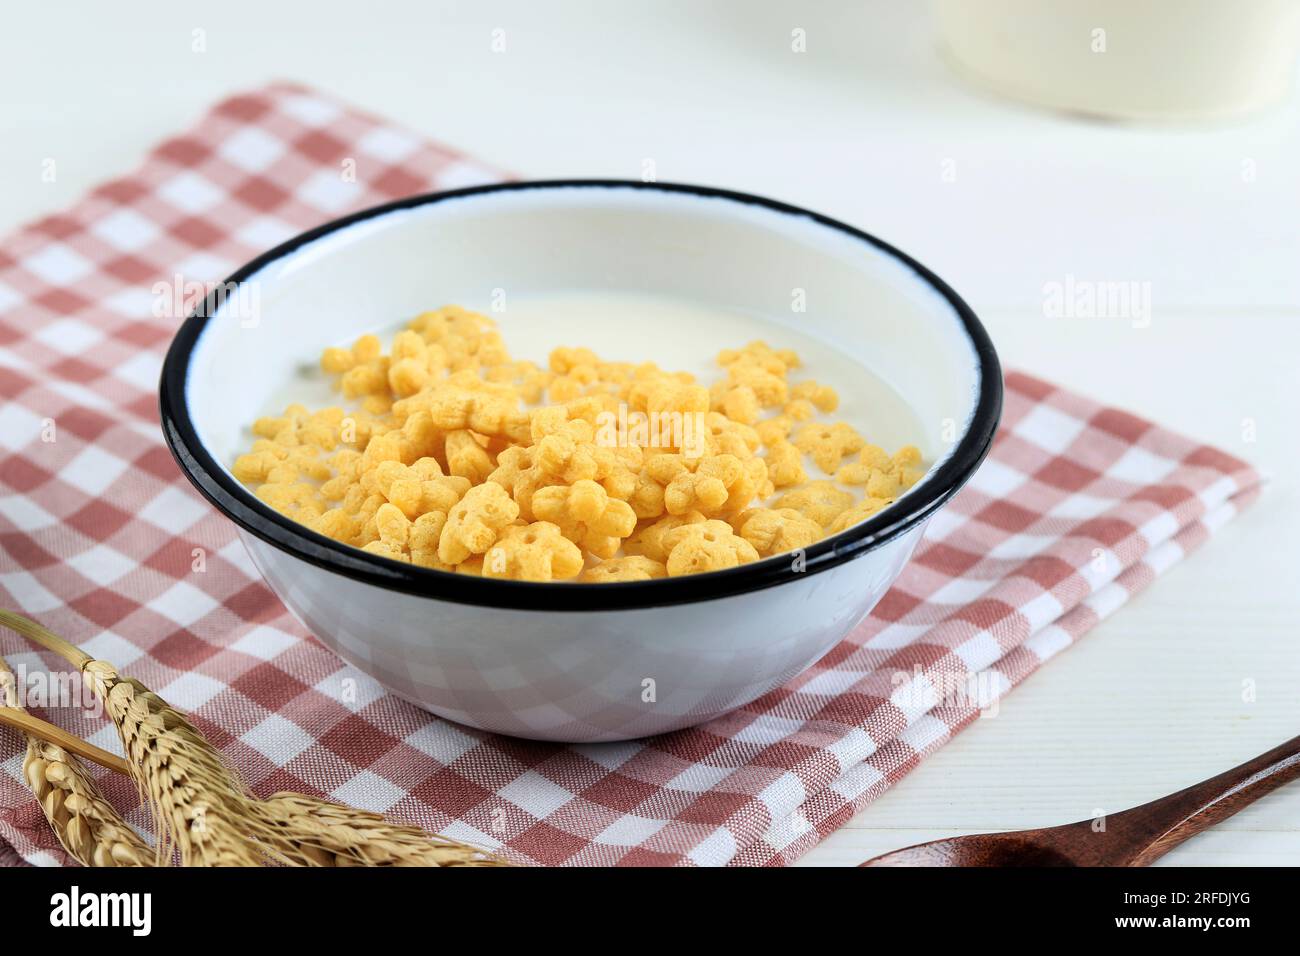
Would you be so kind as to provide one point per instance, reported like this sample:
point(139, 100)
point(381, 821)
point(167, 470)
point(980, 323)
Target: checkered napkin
point(1078, 508)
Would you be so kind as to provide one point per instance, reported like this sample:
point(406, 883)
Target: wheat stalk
point(314, 832)
point(86, 824)
point(202, 807)
point(198, 804)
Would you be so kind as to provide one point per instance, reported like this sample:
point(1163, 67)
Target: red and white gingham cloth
point(1078, 508)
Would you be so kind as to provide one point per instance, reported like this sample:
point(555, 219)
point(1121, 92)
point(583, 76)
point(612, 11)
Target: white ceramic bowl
point(578, 662)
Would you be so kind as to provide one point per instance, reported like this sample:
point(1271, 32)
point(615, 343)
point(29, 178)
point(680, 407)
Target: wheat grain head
point(203, 809)
point(200, 804)
point(313, 832)
point(86, 824)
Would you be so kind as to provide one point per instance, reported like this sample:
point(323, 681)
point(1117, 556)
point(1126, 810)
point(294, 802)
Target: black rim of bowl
point(257, 518)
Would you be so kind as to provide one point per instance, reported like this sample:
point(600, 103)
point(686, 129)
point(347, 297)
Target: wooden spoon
point(1134, 837)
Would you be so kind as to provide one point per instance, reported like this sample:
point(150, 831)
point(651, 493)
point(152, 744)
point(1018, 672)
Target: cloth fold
point(1078, 508)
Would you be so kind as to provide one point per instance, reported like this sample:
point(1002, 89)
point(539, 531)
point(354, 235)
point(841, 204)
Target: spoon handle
point(1153, 829)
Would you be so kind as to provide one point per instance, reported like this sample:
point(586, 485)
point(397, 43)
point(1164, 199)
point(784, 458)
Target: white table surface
point(862, 126)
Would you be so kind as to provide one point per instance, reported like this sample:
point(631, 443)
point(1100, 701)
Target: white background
point(860, 126)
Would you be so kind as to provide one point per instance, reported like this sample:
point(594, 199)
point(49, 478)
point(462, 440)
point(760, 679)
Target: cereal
point(861, 511)
point(726, 437)
point(828, 444)
point(741, 404)
point(532, 552)
point(775, 429)
point(649, 540)
point(705, 546)
point(633, 567)
point(418, 488)
point(587, 515)
point(768, 388)
point(448, 453)
point(513, 464)
point(800, 410)
point(452, 407)
point(568, 452)
point(823, 397)
point(475, 522)
point(775, 531)
point(668, 394)
point(785, 464)
point(819, 500)
point(645, 495)
point(884, 476)
point(696, 485)
point(467, 457)
point(758, 351)
point(758, 369)
point(422, 540)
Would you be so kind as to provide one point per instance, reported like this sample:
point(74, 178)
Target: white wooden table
point(866, 125)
